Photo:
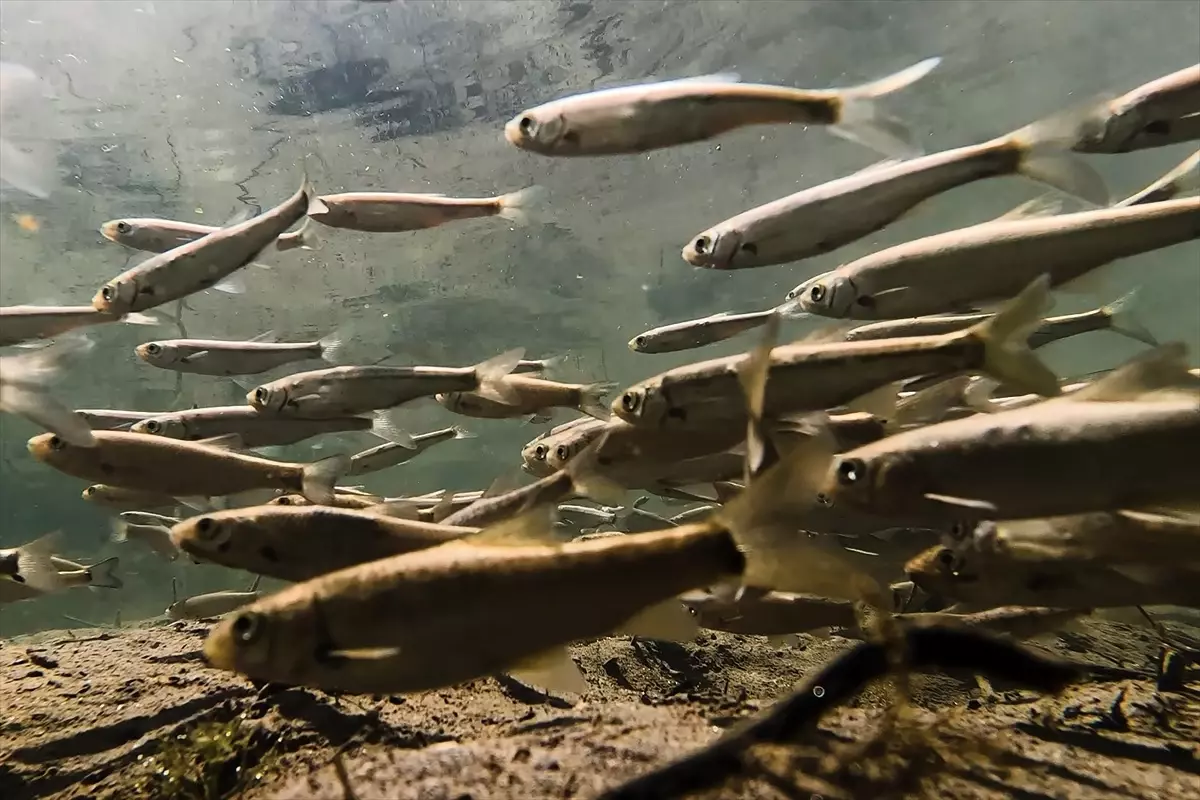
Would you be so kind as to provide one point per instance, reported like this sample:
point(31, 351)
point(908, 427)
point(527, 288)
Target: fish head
point(289, 500)
point(458, 402)
point(640, 343)
point(268, 398)
point(939, 571)
point(826, 296)
point(52, 449)
point(121, 231)
point(640, 405)
point(207, 537)
point(558, 455)
point(157, 353)
point(161, 426)
point(115, 297)
point(718, 248)
point(263, 645)
point(93, 493)
point(540, 130)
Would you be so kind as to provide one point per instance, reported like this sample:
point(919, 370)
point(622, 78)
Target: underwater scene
point(629, 399)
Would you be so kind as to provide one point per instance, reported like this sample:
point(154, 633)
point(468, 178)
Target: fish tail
point(1186, 177)
point(319, 478)
point(138, 318)
point(23, 392)
point(490, 375)
point(120, 530)
point(305, 238)
point(1044, 156)
point(103, 575)
point(516, 207)
point(462, 433)
point(1007, 356)
point(384, 425)
point(1123, 320)
point(333, 346)
point(34, 565)
point(591, 399)
point(861, 120)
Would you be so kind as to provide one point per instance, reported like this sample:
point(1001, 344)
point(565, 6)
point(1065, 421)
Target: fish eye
point(56, 443)
point(562, 453)
point(702, 244)
point(261, 396)
point(247, 627)
point(958, 531)
point(205, 526)
point(89, 491)
point(817, 293)
point(945, 557)
point(791, 295)
point(527, 124)
point(630, 401)
point(851, 471)
point(124, 227)
point(153, 426)
point(154, 348)
point(107, 293)
point(539, 452)
point(283, 501)
point(640, 341)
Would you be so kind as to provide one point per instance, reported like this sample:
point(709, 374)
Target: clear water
point(200, 110)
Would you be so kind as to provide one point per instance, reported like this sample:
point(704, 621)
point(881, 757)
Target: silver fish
point(23, 381)
point(155, 536)
point(697, 332)
point(26, 323)
point(220, 357)
point(211, 605)
point(252, 428)
point(1180, 180)
point(389, 212)
point(391, 454)
point(1146, 116)
point(161, 235)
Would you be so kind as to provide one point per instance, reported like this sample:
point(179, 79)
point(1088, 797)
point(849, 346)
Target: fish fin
point(591, 399)
point(316, 206)
point(305, 238)
point(1046, 205)
point(443, 509)
point(192, 358)
point(363, 654)
point(254, 584)
point(587, 480)
point(669, 620)
point(534, 528)
point(553, 670)
point(879, 402)
point(978, 395)
point(1121, 319)
point(138, 318)
point(1007, 356)
point(930, 403)
point(227, 441)
point(103, 574)
point(1186, 177)
point(550, 364)
point(319, 477)
point(266, 337)
point(861, 120)
point(231, 284)
point(716, 77)
point(1164, 367)
point(752, 373)
point(962, 502)
point(491, 373)
point(401, 509)
point(383, 425)
point(1045, 156)
point(501, 484)
point(35, 565)
point(516, 206)
point(201, 504)
point(462, 433)
point(42, 410)
point(120, 530)
point(333, 347)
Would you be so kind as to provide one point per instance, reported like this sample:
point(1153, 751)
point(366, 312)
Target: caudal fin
point(320, 477)
point(591, 399)
point(1007, 356)
point(35, 567)
point(1123, 320)
point(1181, 180)
point(861, 120)
point(305, 238)
point(23, 381)
point(103, 575)
point(333, 347)
point(1046, 157)
point(384, 425)
point(519, 207)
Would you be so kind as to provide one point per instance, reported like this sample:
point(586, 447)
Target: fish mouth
point(109, 231)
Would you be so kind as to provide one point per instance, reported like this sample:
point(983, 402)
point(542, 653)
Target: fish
point(155, 536)
point(347, 391)
point(30, 564)
point(993, 260)
point(1108, 538)
point(1146, 116)
point(101, 575)
point(220, 357)
point(183, 469)
point(23, 383)
point(770, 613)
point(392, 454)
point(815, 377)
point(211, 605)
point(1179, 181)
point(508, 599)
point(149, 518)
point(1020, 622)
point(112, 419)
point(127, 499)
point(651, 116)
point(530, 396)
point(200, 264)
point(30, 172)
point(160, 235)
point(300, 543)
point(1118, 317)
point(20, 324)
point(253, 428)
point(533, 454)
point(697, 332)
point(1100, 448)
point(391, 212)
point(826, 217)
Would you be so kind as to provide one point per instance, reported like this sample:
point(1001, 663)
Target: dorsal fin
point(1164, 367)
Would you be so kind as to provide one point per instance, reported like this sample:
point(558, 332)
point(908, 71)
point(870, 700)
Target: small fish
point(30, 564)
point(586, 516)
point(201, 264)
point(123, 499)
point(649, 116)
point(252, 428)
point(111, 419)
point(530, 396)
point(387, 212)
point(23, 382)
point(1109, 538)
point(391, 454)
point(183, 469)
point(347, 391)
point(814, 377)
point(979, 264)
point(1179, 181)
point(1100, 448)
point(824, 218)
point(155, 536)
point(149, 518)
point(770, 613)
point(219, 357)
point(161, 235)
point(26, 323)
point(1117, 317)
point(211, 605)
point(299, 543)
point(697, 332)
point(1148, 116)
point(101, 575)
point(1020, 622)
point(577, 433)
